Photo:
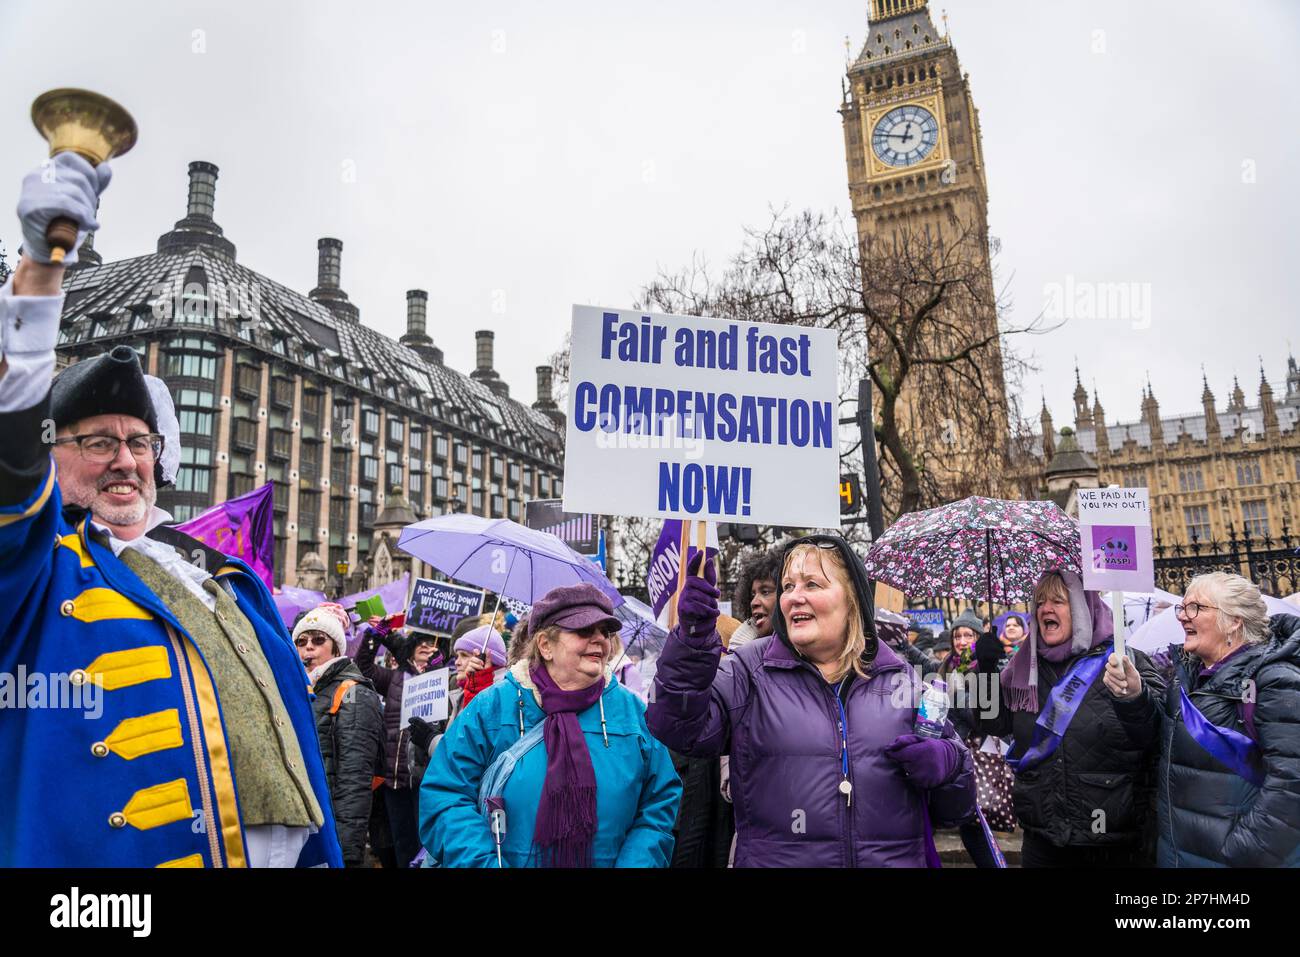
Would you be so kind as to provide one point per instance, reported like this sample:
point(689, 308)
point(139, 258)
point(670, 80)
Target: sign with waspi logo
point(1115, 528)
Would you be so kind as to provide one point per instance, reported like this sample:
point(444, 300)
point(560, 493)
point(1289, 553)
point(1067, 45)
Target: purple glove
point(929, 763)
point(697, 606)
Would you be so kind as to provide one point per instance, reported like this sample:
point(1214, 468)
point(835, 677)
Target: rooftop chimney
point(545, 403)
point(545, 399)
point(483, 370)
point(329, 266)
point(198, 227)
point(417, 337)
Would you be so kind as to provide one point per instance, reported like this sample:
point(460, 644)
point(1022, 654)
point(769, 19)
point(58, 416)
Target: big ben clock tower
point(911, 130)
point(916, 170)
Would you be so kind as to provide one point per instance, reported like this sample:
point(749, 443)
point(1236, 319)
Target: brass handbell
point(88, 124)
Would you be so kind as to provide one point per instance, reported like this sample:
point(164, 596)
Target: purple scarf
point(566, 814)
point(1092, 624)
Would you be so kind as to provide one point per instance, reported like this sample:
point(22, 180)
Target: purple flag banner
point(241, 527)
point(665, 559)
point(291, 602)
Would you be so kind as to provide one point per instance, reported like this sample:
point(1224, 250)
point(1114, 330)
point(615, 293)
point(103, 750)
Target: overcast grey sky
point(518, 160)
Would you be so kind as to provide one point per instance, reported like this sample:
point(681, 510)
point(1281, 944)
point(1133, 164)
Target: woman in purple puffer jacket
point(818, 720)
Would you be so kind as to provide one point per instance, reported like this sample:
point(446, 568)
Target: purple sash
point(1062, 705)
point(1230, 748)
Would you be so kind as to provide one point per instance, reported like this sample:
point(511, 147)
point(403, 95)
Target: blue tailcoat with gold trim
point(149, 782)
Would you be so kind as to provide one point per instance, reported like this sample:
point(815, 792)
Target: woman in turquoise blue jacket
point(553, 767)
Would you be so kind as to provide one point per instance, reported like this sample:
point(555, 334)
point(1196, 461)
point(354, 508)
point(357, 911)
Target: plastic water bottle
point(932, 714)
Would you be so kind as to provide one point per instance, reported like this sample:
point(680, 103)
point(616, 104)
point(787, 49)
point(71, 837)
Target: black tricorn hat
point(109, 384)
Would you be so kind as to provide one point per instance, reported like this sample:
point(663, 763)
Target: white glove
point(65, 186)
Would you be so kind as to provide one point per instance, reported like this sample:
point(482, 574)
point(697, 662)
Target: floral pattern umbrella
point(979, 548)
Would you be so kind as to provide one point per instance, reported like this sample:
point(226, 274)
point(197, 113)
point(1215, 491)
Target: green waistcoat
point(269, 771)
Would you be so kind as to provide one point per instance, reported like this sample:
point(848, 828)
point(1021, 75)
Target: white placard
point(1115, 531)
point(425, 696)
point(694, 418)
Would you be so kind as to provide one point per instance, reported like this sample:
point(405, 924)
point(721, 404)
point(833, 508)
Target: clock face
point(905, 136)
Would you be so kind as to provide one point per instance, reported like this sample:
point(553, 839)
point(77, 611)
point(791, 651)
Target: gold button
point(117, 819)
point(99, 749)
point(78, 677)
point(67, 607)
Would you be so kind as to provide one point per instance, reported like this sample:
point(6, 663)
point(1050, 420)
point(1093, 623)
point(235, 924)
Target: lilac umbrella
point(981, 548)
point(501, 556)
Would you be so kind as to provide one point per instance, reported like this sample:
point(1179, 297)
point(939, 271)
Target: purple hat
point(474, 641)
point(573, 607)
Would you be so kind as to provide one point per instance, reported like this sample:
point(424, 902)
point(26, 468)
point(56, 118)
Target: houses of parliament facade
point(1227, 469)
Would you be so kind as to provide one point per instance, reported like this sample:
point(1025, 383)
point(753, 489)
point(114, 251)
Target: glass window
point(478, 503)
point(192, 480)
point(194, 399)
point(1248, 472)
point(370, 421)
point(394, 476)
point(1190, 479)
point(396, 430)
point(416, 487)
point(514, 473)
point(185, 364)
point(369, 469)
point(417, 440)
point(478, 461)
point(462, 455)
point(440, 449)
point(1197, 519)
point(1254, 516)
point(195, 423)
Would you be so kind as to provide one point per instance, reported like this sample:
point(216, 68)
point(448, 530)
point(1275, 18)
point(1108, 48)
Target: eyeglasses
point(1191, 609)
point(316, 640)
point(104, 448)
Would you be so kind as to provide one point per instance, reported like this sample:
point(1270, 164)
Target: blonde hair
point(1241, 606)
point(1051, 586)
point(855, 641)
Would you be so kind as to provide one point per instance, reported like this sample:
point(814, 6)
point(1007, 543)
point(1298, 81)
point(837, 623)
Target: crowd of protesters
point(788, 737)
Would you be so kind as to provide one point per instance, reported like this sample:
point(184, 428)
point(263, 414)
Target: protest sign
point(425, 696)
point(695, 418)
point(665, 560)
point(931, 618)
point(577, 530)
point(1115, 528)
point(440, 606)
point(1115, 536)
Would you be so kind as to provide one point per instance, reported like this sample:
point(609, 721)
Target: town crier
point(190, 741)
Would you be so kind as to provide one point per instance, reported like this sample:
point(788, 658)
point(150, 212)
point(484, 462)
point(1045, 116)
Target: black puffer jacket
point(1210, 816)
point(1105, 762)
point(389, 682)
point(352, 745)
